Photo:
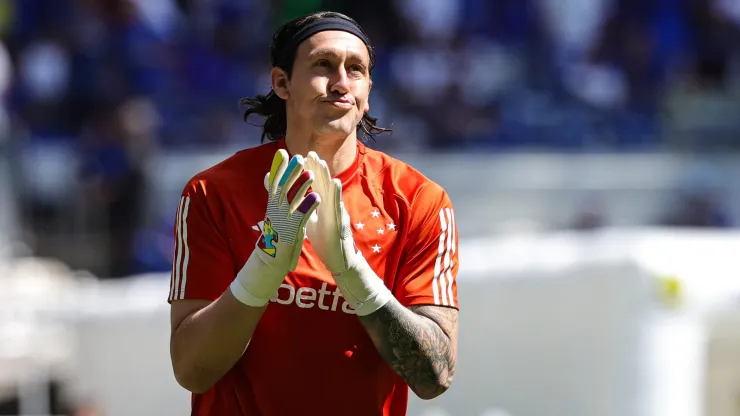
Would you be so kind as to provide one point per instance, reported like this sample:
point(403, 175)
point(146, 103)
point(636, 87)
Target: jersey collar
point(347, 174)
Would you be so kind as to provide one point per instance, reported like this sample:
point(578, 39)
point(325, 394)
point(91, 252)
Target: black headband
point(322, 25)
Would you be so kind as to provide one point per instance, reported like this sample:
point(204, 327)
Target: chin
point(339, 128)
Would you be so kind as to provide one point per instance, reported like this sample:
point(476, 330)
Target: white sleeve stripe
point(440, 254)
point(172, 279)
point(453, 244)
point(448, 272)
point(178, 263)
point(174, 254)
point(454, 232)
point(177, 252)
point(448, 243)
point(186, 258)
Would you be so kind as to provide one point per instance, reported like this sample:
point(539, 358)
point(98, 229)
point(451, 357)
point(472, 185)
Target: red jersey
point(309, 354)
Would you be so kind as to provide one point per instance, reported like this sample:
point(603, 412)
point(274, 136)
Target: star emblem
point(376, 248)
point(360, 226)
point(375, 213)
point(391, 226)
point(381, 231)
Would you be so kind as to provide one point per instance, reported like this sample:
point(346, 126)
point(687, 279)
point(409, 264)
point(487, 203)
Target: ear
point(280, 82)
point(367, 103)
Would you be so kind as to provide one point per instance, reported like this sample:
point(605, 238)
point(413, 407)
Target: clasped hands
point(304, 200)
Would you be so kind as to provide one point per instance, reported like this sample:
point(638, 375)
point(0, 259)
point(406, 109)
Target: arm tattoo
point(419, 343)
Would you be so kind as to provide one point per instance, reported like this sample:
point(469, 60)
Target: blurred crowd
point(578, 74)
point(110, 82)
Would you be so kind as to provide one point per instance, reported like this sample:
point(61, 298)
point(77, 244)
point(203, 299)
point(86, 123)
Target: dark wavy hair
point(272, 108)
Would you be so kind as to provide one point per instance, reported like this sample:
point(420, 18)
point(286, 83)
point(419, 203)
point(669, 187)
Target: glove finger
point(279, 164)
point(313, 159)
point(307, 208)
point(300, 195)
point(313, 162)
point(267, 182)
point(292, 172)
point(323, 176)
point(342, 217)
point(325, 169)
point(299, 189)
point(337, 190)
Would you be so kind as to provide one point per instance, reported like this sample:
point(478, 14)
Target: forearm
point(208, 343)
point(416, 347)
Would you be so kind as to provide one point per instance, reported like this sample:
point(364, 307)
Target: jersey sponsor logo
point(309, 298)
point(268, 239)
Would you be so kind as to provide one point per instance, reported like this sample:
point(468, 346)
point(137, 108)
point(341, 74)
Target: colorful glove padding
point(330, 233)
point(279, 247)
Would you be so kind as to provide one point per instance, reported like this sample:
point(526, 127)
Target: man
point(323, 303)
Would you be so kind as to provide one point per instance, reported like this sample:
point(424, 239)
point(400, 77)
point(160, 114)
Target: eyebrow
point(351, 55)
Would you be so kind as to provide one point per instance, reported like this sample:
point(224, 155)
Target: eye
point(357, 68)
point(323, 63)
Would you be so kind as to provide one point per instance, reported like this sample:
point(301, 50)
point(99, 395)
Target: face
point(328, 90)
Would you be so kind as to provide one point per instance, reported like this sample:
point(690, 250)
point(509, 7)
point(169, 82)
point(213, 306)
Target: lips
point(341, 103)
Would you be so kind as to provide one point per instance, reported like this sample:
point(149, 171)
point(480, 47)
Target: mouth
point(342, 103)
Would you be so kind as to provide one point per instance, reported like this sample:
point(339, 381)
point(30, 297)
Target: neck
point(339, 154)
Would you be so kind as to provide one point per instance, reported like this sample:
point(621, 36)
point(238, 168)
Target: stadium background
point(590, 148)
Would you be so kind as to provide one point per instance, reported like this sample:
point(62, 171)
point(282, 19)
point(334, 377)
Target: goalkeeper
point(312, 275)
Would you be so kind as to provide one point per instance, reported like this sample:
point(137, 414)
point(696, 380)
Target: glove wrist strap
point(244, 296)
point(256, 282)
point(363, 289)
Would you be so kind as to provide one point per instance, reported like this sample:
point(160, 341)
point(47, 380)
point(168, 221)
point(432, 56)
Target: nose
point(340, 83)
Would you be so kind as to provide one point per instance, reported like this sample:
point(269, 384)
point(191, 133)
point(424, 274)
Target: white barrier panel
point(722, 386)
point(566, 342)
point(553, 325)
point(123, 362)
point(605, 342)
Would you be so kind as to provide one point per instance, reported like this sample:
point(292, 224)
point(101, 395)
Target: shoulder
point(404, 181)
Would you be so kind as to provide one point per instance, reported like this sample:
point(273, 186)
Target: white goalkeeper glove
point(278, 249)
point(330, 233)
